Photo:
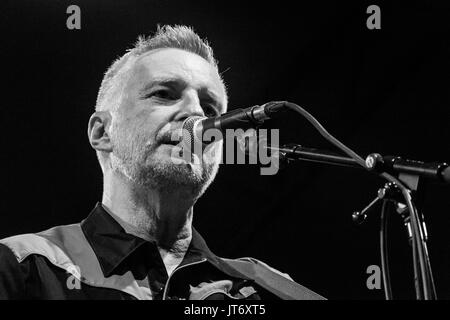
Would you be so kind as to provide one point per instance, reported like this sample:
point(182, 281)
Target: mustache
point(171, 134)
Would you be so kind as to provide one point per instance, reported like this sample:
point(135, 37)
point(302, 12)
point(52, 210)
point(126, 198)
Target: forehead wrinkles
point(177, 63)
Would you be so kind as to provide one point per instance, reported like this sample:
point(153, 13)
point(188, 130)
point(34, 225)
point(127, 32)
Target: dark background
point(383, 91)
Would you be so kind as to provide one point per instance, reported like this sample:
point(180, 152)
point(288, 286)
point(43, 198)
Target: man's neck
point(163, 217)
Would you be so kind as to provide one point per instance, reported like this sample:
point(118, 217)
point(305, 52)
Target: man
point(139, 243)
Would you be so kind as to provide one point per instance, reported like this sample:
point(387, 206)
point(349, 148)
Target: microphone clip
point(389, 192)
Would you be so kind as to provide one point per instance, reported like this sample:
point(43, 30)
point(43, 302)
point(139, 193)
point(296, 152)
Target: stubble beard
point(145, 164)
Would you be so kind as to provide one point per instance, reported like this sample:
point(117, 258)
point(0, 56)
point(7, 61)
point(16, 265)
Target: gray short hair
point(179, 37)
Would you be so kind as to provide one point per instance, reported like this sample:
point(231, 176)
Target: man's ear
point(97, 133)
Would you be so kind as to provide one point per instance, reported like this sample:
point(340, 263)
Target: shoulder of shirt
point(25, 245)
point(66, 248)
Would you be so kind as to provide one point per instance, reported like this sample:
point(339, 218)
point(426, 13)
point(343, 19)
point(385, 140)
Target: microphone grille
point(188, 131)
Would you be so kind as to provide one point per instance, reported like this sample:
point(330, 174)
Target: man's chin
point(174, 154)
point(164, 170)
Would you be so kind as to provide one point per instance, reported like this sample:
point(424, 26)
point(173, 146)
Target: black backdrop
point(381, 91)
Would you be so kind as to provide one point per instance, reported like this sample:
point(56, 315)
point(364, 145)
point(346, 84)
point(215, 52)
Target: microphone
point(194, 127)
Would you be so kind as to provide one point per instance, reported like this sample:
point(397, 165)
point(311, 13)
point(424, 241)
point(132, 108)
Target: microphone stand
point(403, 174)
point(409, 172)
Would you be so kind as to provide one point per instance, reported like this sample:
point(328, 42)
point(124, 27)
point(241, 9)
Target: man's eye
point(210, 111)
point(162, 94)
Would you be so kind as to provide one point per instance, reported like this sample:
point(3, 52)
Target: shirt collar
point(118, 251)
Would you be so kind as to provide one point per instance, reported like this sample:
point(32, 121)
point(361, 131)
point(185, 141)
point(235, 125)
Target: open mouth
point(172, 143)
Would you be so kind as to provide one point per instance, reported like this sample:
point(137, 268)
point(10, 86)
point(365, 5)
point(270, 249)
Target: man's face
point(161, 89)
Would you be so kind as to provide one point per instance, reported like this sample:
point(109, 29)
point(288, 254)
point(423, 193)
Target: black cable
point(418, 284)
point(418, 242)
point(384, 250)
point(428, 264)
point(431, 280)
point(325, 133)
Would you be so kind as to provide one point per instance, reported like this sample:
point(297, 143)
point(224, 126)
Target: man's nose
point(190, 106)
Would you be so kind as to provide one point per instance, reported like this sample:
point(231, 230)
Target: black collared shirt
point(201, 273)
